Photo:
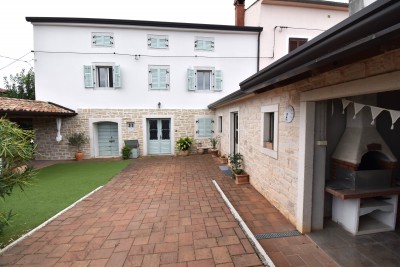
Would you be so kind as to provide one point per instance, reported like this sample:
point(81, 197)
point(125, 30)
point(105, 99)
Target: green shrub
point(126, 152)
point(184, 143)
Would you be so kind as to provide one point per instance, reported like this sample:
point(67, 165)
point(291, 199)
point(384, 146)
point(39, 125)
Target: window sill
point(269, 152)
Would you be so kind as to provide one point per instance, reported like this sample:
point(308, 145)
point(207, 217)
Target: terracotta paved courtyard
point(165, 211)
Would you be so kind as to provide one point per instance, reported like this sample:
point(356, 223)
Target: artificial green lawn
point(54, 188)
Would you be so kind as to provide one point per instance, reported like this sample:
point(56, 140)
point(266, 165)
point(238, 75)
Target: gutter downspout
point(258, 51)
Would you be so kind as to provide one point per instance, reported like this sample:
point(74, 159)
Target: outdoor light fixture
point(159, 104)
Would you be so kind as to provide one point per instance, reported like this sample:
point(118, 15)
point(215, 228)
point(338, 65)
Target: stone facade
point(277, 179)
point(48, 148)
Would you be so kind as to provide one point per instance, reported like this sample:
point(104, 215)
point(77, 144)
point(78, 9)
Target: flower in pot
point(223, 159)
point(77, 140)
point(183, 145)
point(240, 176)
point(214, 141)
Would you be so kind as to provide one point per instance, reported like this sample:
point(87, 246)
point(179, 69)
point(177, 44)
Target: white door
point(159, 136)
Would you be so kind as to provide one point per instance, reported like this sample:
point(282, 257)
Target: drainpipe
point(258, 51)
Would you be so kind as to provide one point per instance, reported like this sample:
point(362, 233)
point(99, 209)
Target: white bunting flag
point(345, 103)
point(375, 111)
point(357, 108)
point(395, 116)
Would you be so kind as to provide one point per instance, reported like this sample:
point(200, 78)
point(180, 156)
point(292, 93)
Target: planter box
point(242, 178)
point(184, 153)
point(223, 160)
point(213, 152)
point(200, 150)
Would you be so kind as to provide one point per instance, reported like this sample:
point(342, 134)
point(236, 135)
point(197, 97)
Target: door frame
point(145, 133)
point(93, 133)
point(232, 130)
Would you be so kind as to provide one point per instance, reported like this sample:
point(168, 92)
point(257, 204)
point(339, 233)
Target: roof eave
point(347, 31)
point(143, 23)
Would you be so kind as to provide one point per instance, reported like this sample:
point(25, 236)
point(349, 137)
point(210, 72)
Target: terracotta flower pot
point(184, 152)
point(78, 155)
point(213, 152)
point(223, 160)
point(241, 178)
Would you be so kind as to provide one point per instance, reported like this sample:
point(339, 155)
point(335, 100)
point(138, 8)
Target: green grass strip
point(55, 188)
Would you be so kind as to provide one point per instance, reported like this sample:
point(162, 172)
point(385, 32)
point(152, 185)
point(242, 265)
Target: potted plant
point(77, 140)
point(214, 141)
point(240, 176)
point(200, 149)
point(126, 152)
point(223, 159)
point(183, 145)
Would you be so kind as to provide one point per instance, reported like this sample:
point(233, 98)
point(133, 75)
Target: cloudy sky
point(16, 33)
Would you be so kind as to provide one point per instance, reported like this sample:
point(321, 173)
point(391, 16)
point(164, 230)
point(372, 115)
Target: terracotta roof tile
point(15, 105)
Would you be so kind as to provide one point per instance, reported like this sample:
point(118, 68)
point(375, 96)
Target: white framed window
point(102, 39)
point(204, 43)
point(204, 127)
point(157, 41)
point(269, 130)
point(220, 124)
point(204, 79)
point(159, 77)
point(102, 76)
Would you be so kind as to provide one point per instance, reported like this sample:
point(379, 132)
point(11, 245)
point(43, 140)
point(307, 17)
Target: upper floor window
point(102, 39)
point(102, 76)
point(157, 41)
point(204, 79)
point(204, 43)
point(296, 42)
point(158, 77)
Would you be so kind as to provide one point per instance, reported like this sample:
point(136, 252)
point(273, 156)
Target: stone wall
point(48, 148)
point(276, 179)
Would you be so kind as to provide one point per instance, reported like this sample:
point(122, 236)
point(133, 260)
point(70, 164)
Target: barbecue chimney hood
point(360, 137)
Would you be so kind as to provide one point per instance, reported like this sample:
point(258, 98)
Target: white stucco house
point(289, 24)
point(135, 80)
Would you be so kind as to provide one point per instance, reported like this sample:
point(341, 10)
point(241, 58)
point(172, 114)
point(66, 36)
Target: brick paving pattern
point(165, 211)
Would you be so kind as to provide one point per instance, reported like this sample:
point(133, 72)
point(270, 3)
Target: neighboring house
point(328, 110)
point(144, 80)
point(288, 24)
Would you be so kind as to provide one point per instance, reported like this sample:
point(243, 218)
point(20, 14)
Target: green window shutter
point(199, 44)
point(218, 80)
point(117, 76)
point(208, 45)
point(88, 76)
point(163, 78)
point(204, 127)
point(191, 80)
point(97, 40)
point(108, 40)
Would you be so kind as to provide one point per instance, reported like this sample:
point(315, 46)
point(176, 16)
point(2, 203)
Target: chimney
point(239, 12)
point(357, 5)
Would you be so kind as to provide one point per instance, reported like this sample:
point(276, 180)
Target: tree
point(21, 85)
point(15, 152)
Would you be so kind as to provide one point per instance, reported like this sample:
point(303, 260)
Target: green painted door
point(159, 136)
point(108, 139)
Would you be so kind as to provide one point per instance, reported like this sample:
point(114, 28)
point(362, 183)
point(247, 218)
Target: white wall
point(313, 20)
point(59, 76)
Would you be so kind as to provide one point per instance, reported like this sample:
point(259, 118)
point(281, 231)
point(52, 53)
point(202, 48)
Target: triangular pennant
point(357, 108)
point(395, 116)
point(345, 103)
point(375, 111)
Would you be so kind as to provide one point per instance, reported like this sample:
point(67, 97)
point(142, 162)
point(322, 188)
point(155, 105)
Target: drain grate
point(277, 235)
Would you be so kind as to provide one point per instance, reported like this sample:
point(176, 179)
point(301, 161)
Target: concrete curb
point(259, 249)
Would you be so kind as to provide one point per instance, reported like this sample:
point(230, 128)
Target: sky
point(16, 33)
